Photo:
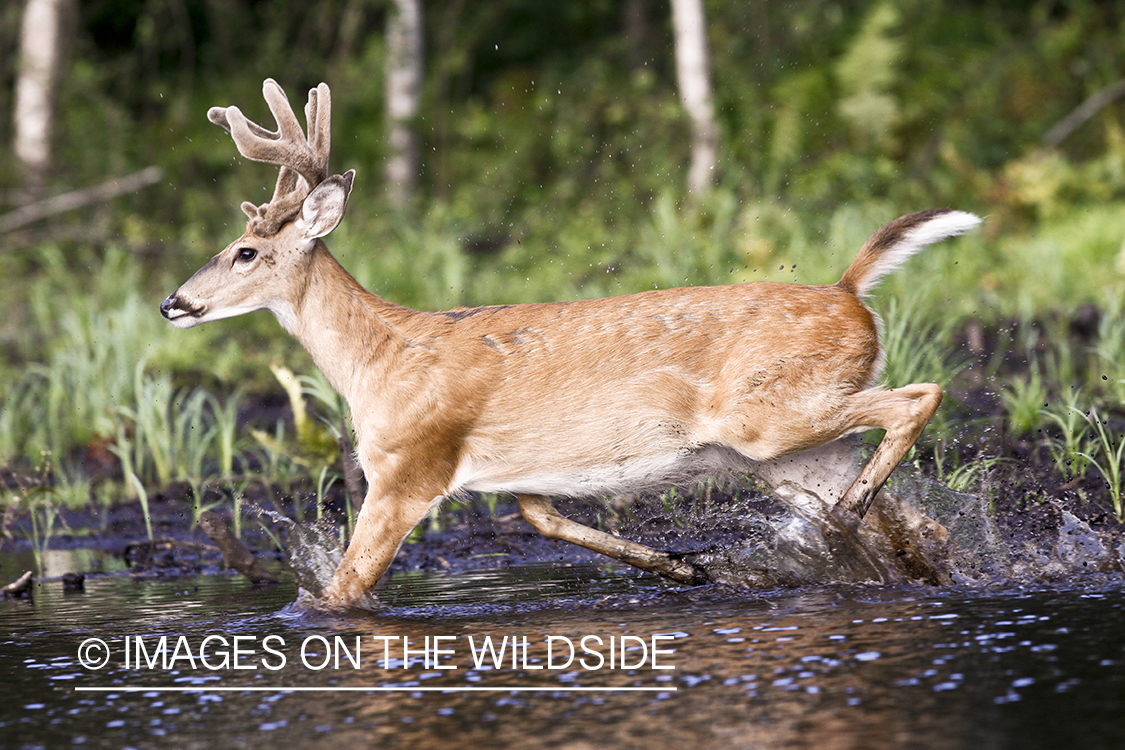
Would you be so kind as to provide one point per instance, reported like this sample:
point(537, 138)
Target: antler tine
point(318, 114)
point(303, 160)
point(287, 147)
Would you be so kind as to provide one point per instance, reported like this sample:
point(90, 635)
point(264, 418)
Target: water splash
point(314, 551)
point(802, 543)
point(916, 531)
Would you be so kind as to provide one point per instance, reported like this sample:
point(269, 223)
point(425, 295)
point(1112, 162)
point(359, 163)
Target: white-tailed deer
point(583, 398)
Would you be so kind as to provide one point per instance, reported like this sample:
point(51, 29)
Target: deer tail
point(890, 246)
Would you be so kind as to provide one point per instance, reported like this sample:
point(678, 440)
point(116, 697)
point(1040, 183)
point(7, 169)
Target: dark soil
point(1027, 497)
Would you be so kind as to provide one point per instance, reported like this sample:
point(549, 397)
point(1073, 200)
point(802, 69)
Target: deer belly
point(590, 478)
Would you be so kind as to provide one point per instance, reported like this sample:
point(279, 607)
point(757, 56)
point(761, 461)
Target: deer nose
point(175, 307)
point(168, 305)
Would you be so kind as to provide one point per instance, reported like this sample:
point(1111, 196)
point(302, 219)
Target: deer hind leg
point(541, 514)
point(903, 413)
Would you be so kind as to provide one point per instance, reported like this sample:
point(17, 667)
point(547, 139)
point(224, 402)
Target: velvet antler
point(303, 160)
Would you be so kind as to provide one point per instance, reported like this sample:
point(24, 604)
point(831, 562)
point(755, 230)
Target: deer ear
point(323, 210)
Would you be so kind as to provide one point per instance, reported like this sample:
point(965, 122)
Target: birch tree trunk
point(694, 82)
point(404, 93)
point(43, 41)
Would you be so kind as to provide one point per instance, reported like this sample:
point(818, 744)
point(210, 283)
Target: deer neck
point(346, 329)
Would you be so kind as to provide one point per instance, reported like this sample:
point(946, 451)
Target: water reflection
point(53, 563)
point(835, 667)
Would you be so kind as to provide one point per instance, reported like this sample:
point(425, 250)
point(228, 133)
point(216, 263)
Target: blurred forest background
point(519, 150)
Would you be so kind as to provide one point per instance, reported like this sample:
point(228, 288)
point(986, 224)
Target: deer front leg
point(382, 525)
point(903, 413)
point(541, 514)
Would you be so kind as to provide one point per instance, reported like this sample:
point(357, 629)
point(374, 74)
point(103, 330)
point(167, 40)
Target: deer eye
point(247, 254)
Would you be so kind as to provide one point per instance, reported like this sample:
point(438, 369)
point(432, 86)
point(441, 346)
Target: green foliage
point(314, 445)
point(1070, 449)
point(1025, 397)
point(1109, 459)
point(40, 498)
point(917, 344)
point(1109, 366)
point(91, 330)
point(969, 476)
point(867, 73)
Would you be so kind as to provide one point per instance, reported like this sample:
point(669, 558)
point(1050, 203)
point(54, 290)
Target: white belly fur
point(632, 475)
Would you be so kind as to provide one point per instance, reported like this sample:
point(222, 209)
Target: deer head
point(262, 269)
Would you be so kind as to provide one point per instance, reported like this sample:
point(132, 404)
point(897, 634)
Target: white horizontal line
point(392, 689)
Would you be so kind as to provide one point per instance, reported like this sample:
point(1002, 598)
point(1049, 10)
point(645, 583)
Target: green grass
point(970, 475)
point(40, 499)
point(1025, 398)
point(1110, 452)
point(1109, 365)
point(1072, 440)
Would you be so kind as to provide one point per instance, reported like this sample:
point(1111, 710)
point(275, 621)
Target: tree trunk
point(404, 93)
point(43, 42)
point(694, 83)
point(637, 29)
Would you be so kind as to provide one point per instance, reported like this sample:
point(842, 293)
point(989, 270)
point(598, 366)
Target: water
point(838, 666)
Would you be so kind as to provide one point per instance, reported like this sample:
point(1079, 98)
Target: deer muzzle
point(181, 312)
